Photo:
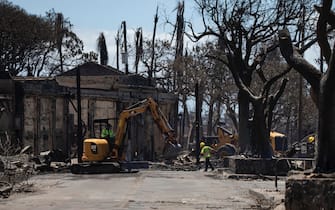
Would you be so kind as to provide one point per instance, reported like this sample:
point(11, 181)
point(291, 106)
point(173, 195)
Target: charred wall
point(7, 101)
point(42, 112)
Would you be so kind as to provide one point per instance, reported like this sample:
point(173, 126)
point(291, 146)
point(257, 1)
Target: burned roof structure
point(96, 71)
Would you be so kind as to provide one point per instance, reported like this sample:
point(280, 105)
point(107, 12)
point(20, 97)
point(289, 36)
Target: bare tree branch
point(294, 59)
point(269, 83)
point(321, 30)
point(273, 101)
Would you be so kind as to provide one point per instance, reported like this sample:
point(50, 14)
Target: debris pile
point(16, 169)
point(51, 160)
point(5, 189)
point(186, 161)
point(2, 166)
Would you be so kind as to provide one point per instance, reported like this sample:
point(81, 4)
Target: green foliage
point(65, 43)
point(29, 43)
point(162, 64)
point(21, 36)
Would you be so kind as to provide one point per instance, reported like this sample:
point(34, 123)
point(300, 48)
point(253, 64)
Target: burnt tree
point(102, 49)
point(322, 84)
point(243, 28)
point(263, 105)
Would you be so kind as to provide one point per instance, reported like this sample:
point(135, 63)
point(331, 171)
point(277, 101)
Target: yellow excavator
point(226, 143)
point(104, 156)
point(278, 143)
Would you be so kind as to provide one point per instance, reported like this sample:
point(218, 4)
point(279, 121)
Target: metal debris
point(54, 160)
point(5, 189)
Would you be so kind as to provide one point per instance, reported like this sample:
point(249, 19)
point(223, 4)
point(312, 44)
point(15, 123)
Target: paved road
point(148, 189)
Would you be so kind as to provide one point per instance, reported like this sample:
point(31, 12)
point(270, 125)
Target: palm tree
point(102, 48)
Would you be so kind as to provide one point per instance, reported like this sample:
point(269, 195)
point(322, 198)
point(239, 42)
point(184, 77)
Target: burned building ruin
point(42, 112)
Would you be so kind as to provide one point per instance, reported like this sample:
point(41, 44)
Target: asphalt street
point(147, 189)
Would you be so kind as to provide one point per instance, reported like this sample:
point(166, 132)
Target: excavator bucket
point(171, 151)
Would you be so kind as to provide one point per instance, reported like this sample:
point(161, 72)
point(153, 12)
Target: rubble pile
point(186, 161)
point(15, 170)
point(5, 189)
point(52, 161)
point(2, 166)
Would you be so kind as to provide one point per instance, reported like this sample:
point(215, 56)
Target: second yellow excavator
point(104, 156)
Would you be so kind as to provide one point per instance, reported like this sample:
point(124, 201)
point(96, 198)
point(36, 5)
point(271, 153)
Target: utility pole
point(79, 125)
point(117, 39)
point(197, 123)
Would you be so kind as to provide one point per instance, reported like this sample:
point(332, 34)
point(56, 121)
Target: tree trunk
point(326, 101)
point(326, 143)
point(185, 118)
point(232, 115)
point(61, 60)
point(259, 134)
point(210, 118)
point(243, 124)
point(217, 114)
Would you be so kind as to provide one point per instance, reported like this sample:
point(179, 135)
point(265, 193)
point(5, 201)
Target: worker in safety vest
point(206, 153)
point(107, 133)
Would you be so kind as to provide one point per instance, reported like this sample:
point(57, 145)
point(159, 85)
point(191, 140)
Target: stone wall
point(43, 123)
point(303, 192)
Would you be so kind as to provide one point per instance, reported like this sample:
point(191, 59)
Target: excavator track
point(96, 168)
point(108, 167)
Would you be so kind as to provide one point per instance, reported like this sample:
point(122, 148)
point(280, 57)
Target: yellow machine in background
point(278, 143)
point(100, 154)
point(226, 143)
point(226, 137)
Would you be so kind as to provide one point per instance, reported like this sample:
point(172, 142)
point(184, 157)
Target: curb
point(268, 198)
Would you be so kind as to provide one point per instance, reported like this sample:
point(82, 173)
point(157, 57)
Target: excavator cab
point(98, 147)
point(100, 124)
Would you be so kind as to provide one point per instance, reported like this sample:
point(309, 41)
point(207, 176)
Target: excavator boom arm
point(139, 108)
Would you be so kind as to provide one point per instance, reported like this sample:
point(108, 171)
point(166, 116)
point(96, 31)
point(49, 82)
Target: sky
point(91, 17)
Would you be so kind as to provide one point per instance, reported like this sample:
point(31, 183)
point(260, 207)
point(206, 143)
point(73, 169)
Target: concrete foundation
point(240, 165)
point(310, 192)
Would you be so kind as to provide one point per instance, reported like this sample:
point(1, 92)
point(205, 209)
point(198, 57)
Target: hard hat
point(311, 139)
point(202, 144)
